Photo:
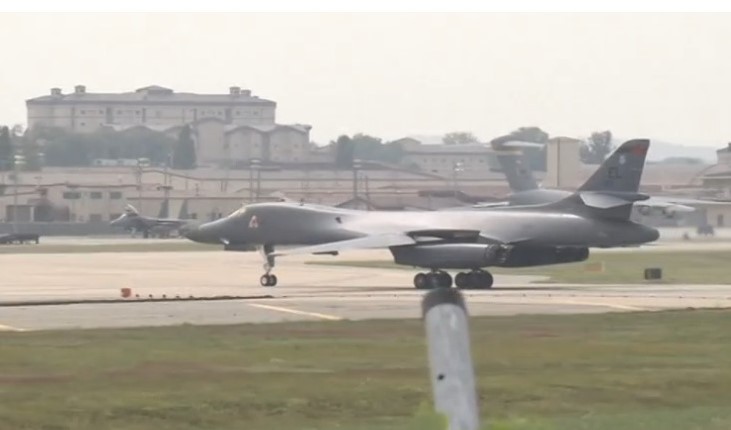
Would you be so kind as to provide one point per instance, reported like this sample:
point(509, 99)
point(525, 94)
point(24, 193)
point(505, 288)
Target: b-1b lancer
point(466, 240)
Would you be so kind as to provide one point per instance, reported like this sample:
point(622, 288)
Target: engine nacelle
point(446, 255)
point(476, 255)
point(528, 256)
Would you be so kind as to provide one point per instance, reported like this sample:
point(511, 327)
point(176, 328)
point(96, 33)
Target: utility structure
point(254, 166)
point(18, 161)
point(357, 165)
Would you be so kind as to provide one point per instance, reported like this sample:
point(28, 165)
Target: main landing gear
point(474, 280)
point(268, 279)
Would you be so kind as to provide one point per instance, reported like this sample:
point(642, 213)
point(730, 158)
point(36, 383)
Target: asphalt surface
point(305, 292)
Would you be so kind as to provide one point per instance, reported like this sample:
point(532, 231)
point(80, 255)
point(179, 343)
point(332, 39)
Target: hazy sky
point(391, 75)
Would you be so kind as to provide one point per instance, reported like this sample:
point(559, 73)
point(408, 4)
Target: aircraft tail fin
point(130, 210)
point(622, 171)
point(517, 171)
point(511, 155)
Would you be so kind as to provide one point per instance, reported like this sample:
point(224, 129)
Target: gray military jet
point(527, 191)
point(467, 240)
point(132, 220)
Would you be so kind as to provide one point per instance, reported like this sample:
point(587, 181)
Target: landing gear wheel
point(486, 280)
point(462, 280)
point(445, 281)
point(480, 280)
point(475, 280)
point(421, 281)
point(268, 280)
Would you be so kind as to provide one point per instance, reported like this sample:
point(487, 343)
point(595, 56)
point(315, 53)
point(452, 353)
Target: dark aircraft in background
point(468, 240)
point(527, 191)
point(132, 220)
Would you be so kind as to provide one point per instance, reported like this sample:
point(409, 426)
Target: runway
point(306, 292)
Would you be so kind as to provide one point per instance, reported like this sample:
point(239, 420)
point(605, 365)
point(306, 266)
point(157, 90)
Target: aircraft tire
point(268, 280)
point(421, 281)
point(462, 280)
point(445, 280)
point(482, 280)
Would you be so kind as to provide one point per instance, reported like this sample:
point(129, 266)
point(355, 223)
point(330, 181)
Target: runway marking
point(9, 328)
point(296, 312)
point(607, 305)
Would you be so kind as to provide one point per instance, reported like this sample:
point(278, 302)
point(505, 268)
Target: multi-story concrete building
point(154, 106)
point(233, 127)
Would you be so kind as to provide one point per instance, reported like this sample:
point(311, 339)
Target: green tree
point(64, 148)
point(344, 152)
point(459, 138)
point(597, 147)
point(365, 147)
point(184, 156)
point(6, 150)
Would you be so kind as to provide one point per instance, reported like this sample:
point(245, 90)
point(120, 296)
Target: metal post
point(450, 360)
point(15, 196)
point(356, 166)
point(19, 161)
point(256, 166)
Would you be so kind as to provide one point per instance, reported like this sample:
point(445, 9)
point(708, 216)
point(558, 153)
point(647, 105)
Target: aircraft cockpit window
point(238, 212)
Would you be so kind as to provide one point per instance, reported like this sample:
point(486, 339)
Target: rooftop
point(153, 94)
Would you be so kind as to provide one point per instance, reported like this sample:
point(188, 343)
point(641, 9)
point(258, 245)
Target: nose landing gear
point(268, 279)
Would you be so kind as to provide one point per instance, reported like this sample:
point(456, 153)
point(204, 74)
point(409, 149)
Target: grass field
point(696, 267)
point(119, 247)
point(663, 370)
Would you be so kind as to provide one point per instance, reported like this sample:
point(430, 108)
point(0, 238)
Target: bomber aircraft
point(466, 240)
point(527, 191)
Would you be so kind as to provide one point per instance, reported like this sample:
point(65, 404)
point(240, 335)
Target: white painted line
point(296, 312)
point(9, 328)
point(607, 305)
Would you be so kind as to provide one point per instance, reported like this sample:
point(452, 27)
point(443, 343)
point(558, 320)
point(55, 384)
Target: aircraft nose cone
point(192, 232)
point(202, 233)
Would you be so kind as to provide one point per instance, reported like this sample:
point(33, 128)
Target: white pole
point(450, 359)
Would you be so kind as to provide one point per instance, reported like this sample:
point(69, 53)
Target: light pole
point(74, 195)
point(255, 165)
point(19, 161)
point(166, 199)
point(356, 165)
point(456, 168)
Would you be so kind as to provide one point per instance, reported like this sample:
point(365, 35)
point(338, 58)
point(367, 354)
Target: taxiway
point(306, 292)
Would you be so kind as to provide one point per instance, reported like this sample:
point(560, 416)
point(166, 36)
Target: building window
point(119, 112)
point(112, 217)
point(238, 112)
point(82, 124)
point(82, 112)
point(115, 195)
point(95, 218)
point(95, 195)
point(71, 195)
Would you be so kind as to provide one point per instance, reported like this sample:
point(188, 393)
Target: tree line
point(59, 147)
point(365, 147)
point(55, 146)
